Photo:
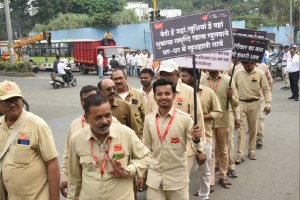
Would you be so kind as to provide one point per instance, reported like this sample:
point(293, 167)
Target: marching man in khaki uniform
point(211, 111)
point(166, 133)
point(249, 81)
point(29, 168)
point(183, 101)
point(75, 125)
point(219, 83)
point(132, 96)
point(105, 156)
point(120, 109)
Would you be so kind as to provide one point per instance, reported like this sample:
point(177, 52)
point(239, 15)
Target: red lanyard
point(167, 129)
point(82, 121)
point(105, 155)
point(217, 85)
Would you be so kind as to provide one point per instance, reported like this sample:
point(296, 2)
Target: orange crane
point(20, 43)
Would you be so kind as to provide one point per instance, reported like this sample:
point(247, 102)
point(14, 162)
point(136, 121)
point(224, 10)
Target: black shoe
point(284, 88)
point(259, 143)
point(232, 173)
point(292, 97)
point(297, 99)
point(217, 170)
point(196, 193)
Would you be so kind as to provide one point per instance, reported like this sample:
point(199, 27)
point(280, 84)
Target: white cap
point(168, 66)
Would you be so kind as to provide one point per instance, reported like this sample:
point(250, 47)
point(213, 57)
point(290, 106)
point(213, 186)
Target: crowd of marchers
point(128, 140)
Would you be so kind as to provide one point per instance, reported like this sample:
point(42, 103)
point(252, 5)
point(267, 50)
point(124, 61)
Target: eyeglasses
point(7, 102)
point(110, 89)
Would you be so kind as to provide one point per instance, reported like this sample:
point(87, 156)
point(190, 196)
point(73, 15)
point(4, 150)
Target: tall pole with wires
point(9, 33)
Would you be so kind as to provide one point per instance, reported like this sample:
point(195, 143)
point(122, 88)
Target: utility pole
point(9, 33)
point(291, 22)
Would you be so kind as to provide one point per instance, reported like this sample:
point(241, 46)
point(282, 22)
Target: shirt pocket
point(88, 163)
point(23, 154)
point(254, 85)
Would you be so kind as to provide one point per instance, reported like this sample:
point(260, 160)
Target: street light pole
point(9, 33)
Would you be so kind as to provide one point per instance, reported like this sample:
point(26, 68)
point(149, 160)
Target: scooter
point(58, 81)
point(275, 67)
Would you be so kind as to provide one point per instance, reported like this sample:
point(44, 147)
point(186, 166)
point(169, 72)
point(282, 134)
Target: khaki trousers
point(285, 77)
point(231, 164)
point(220, 143)
point(160, 194)
point(249, 114)
point(190, 161)
point(261, 121)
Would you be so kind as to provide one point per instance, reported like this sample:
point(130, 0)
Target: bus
point(44, 55)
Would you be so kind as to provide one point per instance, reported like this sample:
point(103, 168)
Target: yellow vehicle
point(20, 43)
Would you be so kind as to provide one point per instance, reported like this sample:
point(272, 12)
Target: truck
point(86, 52)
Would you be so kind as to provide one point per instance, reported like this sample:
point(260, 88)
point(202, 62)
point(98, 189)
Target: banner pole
point(230, 81)
point(195, 89)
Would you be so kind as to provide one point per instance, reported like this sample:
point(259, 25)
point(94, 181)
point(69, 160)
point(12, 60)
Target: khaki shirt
point(184, 101)
point(137, 102)
point(265, 69)
point(85, 180)
point(24, 170)
point(249, 85)
point(123, 112)
point(75, 126)
point(220, 86)
point(210, 105)
point(169, 160)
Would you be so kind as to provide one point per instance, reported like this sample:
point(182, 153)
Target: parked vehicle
point(85, 54)
point(58, 81)
point(275, 68)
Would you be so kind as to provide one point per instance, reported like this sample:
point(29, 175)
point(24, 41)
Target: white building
point(168, 13)
point(142, 10)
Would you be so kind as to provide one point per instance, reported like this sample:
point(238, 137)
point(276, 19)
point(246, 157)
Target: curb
point(17, 74)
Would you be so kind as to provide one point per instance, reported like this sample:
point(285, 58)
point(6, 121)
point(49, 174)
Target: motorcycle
point(58, 81)
point(275, 67)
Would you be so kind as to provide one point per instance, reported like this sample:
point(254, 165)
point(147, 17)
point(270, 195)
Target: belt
point(249, 100)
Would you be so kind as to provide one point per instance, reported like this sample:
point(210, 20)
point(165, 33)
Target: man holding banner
point(249, 81)
point(183, 101)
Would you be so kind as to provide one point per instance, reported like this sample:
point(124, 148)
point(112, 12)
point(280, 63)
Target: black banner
point(249, 33)
point(249, 49)
point(192, 34)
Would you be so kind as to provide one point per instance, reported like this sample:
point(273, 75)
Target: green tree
point(45, 10)
point(65, 21)
point(104, 19)
point(93, 7)
point(126, 17)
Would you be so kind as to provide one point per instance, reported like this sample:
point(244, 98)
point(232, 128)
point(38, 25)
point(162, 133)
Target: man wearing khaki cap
point(29, 165)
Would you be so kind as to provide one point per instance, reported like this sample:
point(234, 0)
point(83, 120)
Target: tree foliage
point(65, 21)
point(93, 7)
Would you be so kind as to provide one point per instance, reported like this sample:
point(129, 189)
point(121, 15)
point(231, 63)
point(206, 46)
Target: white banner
point(218, 60)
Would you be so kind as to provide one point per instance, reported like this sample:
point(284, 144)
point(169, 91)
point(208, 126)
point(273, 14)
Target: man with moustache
point(29, 167)
point(104, 156)
point(292, 68)
point(146, 78)
point(167, 132)
point(183, 101)
point(131, 96)
point(120, 109)
point(249, 82)
point(75, 125)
